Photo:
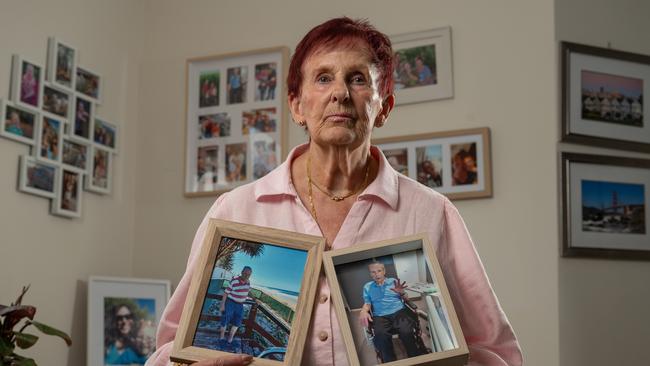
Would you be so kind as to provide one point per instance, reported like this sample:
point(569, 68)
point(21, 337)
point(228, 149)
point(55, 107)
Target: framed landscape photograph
point(18, 123)
point(100, 173)
point(27, 82)
point(61, 64)
point(454, 163)
point(89, 84)
point(252, 293)
point(603, 97)
point(423, 66)
point(605, 206)
point(233, 101)
point(393, 304)
point(67, 202)
point(37, 177)
point(123, 315)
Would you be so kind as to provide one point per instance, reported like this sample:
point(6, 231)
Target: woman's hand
point(229, 360)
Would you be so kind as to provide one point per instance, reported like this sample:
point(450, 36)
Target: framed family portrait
point(61, 64)
point(75, 155)
point(49, 139)
point(603, 92)
point(393, 304)
point(56, 101)
point(123, 315)
point(88, 83)
point(27, 82)
point(105, 134)
point(236, 119)
point(37, 177)
point(423, 66)
point(604, 206)
point(454, 163)
point(252, 293)
point(18, 123)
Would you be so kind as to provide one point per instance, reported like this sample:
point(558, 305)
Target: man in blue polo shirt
point(385, 297)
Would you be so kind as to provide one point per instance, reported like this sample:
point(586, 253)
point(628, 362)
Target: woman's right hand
point(229, 360)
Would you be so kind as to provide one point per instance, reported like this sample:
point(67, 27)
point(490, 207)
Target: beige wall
point(604, 303)
point(56, 255)
point(504, 69)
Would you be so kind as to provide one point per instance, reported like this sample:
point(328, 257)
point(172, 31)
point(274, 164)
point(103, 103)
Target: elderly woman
point(338, 186)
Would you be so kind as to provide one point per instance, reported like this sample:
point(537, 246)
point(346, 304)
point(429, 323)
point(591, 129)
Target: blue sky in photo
point(148, 304)
point(599, 194)
point(277, 267)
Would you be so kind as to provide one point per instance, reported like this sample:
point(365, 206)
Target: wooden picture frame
point(140, 301)
point(603, 97)
point(434, 160)
point(423, 70)
point(604, 206)
point(411, 259)
point(295, 256)
point(236, 126)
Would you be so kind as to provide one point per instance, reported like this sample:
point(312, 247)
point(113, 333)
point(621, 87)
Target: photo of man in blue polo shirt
point(385, 297)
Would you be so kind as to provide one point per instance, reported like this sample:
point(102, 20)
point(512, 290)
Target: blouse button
point(322, 336)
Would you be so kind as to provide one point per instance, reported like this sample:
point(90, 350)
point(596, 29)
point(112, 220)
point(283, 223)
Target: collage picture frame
point(434, 335)
point(455, 163)
point(265, 310)
point(236, 119)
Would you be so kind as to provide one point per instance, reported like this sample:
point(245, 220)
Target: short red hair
point(339, 32)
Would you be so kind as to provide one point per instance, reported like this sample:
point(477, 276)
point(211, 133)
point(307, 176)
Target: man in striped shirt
point(232, 306)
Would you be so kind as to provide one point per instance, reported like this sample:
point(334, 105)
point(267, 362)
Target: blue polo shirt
point(384, 301)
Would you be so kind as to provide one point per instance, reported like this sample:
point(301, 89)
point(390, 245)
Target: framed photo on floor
point(123, 315)
point(252, 293)
point(423, 66)
point(393, 304)
point(605, 206)
point(603, 97)
point(236, 119)
point(454, 163)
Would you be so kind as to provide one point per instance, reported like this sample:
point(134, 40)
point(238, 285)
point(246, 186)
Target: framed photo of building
point(603, 97)
point(605, 206)
point(123, 315)
point(61, 64)
point(27, 82)
point(235, 103)
point(19, 123)
point(37, 177)
point(454, 163)
point(393, 304)
point(252, 293)
point(423, 66)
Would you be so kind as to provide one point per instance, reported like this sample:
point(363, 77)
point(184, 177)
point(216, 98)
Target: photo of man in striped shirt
point(232, 306)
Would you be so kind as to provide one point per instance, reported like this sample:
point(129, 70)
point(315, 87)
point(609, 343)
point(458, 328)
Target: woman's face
point(124, 320)
point(339, 97)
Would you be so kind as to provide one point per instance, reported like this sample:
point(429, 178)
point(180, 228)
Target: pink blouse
point(391, 206)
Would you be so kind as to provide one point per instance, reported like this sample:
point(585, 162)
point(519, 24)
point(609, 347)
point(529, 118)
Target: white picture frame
point(81, 118)
point(99, 177)
point(68, 199)
point(38, 177)
point(75, 155)
point(27, 91)
point(48, 146)
point(105, 134)
point(61, 64)
point(57, 101)
point(19, 123)
point(89, 84)
point(142, 296)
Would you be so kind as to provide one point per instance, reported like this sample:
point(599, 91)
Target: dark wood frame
point(569, 251)
point(567, 48)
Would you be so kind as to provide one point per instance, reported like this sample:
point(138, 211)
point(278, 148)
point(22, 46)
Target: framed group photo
point(603, 92)
point(393, 304)
point(236, 119)
point(123, 315)
point(454, 163)
point(252, 293)
point(423, 66)
point(605, 206)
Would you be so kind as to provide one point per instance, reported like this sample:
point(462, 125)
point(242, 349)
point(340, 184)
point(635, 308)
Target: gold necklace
point(331, 196)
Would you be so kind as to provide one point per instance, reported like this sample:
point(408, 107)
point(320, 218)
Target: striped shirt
point(238, 289)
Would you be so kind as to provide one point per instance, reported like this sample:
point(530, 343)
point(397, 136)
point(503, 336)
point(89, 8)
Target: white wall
point(604, 304)
point(505, 78)
point(55, 255)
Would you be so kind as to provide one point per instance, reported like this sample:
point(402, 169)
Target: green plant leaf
point(27, 362)
point(5, 348)
point(24, 340)
point(46, 329)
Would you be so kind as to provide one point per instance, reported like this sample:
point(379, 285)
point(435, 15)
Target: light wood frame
point(184, 352)
point(483, 159)
point(359, 252)
point(193, 111)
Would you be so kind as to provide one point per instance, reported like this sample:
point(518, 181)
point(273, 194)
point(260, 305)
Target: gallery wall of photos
point(54, 109)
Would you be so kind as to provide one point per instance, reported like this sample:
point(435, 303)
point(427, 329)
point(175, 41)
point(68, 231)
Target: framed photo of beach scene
point(603, 97)
point(123, 315)
point(236, 123)
point(455, 163)
point(394, 285)
point(423, 66)
point(252, 293)
point(604, 210)
point(27, 82)
point(19, 123)
point(61, 64)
